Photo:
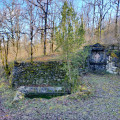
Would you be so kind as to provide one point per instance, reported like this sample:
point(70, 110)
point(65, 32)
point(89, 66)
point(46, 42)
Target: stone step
point(26, 90)
point(112, 72)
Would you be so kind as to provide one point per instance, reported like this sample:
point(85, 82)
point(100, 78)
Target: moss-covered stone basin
point(39, 74)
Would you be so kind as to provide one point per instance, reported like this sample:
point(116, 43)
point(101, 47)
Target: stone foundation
point(24, 91)
point(104, 58)
point(110, 67)
point(39, 74)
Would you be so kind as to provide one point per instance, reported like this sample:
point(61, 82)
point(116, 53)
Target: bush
point(75, 66)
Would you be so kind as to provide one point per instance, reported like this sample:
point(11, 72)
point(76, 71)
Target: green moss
point(48, 96)
point(48, 73)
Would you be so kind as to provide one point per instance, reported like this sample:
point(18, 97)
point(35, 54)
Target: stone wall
point(113, 62)
point(48, 74)
point(110, 67)
point(104, 58)
point(39, 74)
point(97, 58)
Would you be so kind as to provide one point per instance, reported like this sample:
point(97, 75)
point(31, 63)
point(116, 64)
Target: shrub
point(76, 65)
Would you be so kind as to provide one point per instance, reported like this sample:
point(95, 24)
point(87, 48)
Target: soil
point(4, 112)
point(103, 104)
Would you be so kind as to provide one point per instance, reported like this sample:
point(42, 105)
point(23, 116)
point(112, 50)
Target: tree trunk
point(52, 38)
point(94, 17)
point(45, 34)
point(31, 38)
point(6, 53)
point(116, 20)
point(31, 32)
point(17, 45)
point(45, 28)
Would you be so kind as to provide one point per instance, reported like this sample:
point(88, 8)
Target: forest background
point(30, 29)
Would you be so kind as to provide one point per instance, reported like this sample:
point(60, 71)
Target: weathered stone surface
point(38, 73)
point(25, 90)
point(41, 90)
point(110, 67)
point(19, 95)
point(104, 59)
point(97, 59)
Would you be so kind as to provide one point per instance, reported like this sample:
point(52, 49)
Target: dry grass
point(24, 53)
point(108, 35)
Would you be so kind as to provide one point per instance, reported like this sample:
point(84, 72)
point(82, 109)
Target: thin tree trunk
point(100, 25)
point(31, 38)
point(6, 52)
point(2, 57)
point(45, 28)
point(17, 45)
point(45, 34)
point(109, 22)
point(31, 32)
point(42, 33)
point(94, 17)
point(116, 20)
point(52, 38)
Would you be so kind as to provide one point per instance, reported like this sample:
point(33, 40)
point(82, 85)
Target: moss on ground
point(103, 104)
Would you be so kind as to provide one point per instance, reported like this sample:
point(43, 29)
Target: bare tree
point(32, 20)
point(117, 3)
point(44, 7)
point(4, 50)
point(11, 24)
point(31, 30)
point(103, 9)
point(94, 6)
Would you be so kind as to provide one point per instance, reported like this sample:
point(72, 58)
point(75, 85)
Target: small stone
point(19, 95)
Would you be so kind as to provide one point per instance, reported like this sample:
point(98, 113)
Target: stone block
point(40, 90)
point(26, 90)
point(116, 48)
point(42, 71)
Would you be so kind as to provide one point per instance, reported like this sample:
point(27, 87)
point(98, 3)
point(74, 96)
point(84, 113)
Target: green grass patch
point(46, 96)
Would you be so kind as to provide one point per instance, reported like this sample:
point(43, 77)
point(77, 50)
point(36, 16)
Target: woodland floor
point(103, 104)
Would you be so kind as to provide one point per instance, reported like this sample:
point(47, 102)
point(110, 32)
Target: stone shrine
point(97, 59)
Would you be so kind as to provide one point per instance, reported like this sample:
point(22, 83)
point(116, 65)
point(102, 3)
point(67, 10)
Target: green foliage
point(80, 32)
point(77, 64)
point(8, 69)
point(70, 33)
point(79, 59)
